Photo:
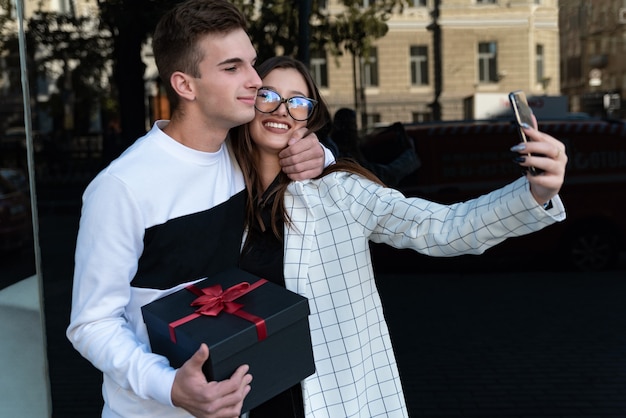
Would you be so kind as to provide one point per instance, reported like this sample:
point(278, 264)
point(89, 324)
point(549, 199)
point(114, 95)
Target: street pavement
point(528, 344)
point(470, 341)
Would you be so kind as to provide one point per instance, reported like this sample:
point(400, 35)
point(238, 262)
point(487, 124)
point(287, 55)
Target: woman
point(313, 237)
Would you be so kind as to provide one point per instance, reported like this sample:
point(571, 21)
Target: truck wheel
point(591, 248)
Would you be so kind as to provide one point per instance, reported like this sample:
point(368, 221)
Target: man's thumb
point(299, 134)
point(200, 356)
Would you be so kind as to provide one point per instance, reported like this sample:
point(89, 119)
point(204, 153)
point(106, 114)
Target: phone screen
point(523, 114)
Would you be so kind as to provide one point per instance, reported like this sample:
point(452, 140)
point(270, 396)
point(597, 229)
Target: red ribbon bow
point(213, 300)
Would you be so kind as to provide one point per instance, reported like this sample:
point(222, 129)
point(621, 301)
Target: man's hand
point(548, 155)
point(304, 157)
point(203, 399)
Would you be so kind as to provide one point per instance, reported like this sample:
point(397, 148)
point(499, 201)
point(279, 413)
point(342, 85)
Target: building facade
point(593, 47)
point(46, 83)
point(486, 46)
point(426, 68)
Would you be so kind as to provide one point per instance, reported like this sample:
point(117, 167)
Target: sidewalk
point(25, 395)
point(510, 345)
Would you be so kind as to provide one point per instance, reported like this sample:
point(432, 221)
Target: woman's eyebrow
point(292, 93)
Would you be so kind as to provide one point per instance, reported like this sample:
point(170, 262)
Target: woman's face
point(271, 131)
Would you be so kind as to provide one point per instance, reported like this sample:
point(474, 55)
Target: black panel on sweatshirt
point(192, 246)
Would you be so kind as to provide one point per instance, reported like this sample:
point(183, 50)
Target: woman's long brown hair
point(246, 152)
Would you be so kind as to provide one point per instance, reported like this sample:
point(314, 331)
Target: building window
point(321, 4)
point(419, 65)
point(369, 68)
point(319, 67)
point(419, 117)
point(486, 1)
point(8, 11)
point(66, 7)
point(487, 62)
point(539, 58)
point(417, 3)
point(372, 119)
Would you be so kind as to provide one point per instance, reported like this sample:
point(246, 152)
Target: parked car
point(465, 159)
point(13, 146)
point(17, 178)
point(15, 215)
point(15, 137)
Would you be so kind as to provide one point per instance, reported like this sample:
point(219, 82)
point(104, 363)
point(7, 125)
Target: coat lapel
point(298, 241)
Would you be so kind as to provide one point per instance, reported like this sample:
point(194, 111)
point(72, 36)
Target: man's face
point(226, 89)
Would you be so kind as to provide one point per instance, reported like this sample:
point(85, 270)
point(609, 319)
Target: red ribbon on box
point(213, 300)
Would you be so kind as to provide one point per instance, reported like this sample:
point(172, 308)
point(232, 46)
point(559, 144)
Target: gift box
point(244, 320)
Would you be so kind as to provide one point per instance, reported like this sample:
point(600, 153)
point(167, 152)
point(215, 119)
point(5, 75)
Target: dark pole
point(436, 29)
point(304, 54)
point(362, 100)
point(357, 100)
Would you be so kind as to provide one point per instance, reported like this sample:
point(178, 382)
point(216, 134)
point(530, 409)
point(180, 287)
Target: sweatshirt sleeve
point(108, 246)
point(329, 157)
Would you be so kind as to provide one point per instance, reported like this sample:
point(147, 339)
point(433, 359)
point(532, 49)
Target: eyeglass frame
point(286, 102)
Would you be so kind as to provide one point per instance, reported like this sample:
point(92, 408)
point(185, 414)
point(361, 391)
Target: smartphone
point(523, 114)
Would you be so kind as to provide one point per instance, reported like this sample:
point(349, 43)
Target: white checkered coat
point(327, 259)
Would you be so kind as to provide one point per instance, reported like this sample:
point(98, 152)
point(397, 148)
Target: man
point(170, 211)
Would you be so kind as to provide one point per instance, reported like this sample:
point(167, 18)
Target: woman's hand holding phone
point(547, 154)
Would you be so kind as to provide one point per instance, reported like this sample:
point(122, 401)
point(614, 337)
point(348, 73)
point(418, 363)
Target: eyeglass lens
point(298, 107)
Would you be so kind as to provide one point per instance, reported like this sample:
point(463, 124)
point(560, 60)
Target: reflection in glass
point(24, 389)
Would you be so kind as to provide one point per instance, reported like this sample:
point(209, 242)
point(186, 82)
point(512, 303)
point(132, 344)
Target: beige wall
point(516, 26)
point(590, 31)
point(83, 7)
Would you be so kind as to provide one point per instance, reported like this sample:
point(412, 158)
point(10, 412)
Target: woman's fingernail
point(525, 125)
point(519, 159)
point(518, 147)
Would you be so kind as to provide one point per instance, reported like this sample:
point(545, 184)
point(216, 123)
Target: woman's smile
point(276, 125)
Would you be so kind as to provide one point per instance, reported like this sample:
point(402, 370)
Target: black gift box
point(280, 360)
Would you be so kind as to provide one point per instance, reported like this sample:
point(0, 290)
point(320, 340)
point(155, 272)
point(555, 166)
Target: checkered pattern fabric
point(327, 259)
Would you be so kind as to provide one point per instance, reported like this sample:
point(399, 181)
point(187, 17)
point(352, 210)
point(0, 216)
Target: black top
point(262, 255)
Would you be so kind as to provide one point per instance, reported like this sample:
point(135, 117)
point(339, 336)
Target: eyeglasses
point(299, 108)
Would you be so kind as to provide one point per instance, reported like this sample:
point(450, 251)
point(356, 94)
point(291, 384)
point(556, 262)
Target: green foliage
point(143, 15)
point(358, 27)
point(60, 39)
point(72, 51)
point(95, 44)
point(274, 26)
point(5, 6)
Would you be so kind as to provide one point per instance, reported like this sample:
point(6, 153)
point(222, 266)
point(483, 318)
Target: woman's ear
point(182, 85)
